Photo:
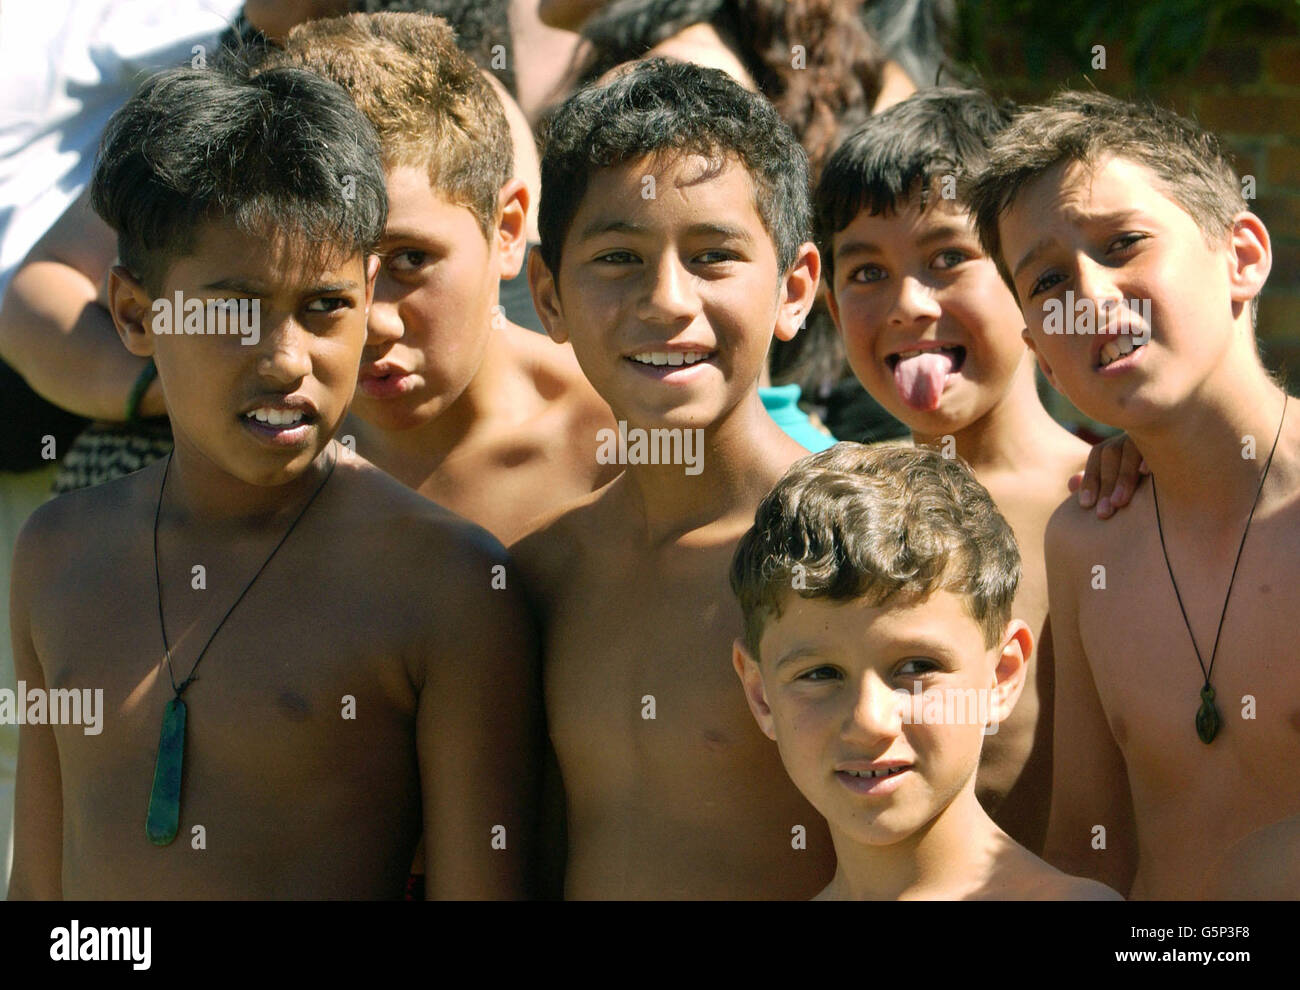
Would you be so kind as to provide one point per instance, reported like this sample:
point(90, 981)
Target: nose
point(286, 358)
point(670, 296)
point(875, 713)
point(914, 303)
point(1096, 282)
point(383, 322)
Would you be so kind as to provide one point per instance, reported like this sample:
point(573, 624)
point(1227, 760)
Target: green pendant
point(164, 819)
point(1207, 717)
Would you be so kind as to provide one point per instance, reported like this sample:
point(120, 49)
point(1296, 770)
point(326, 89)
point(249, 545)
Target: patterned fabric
point(109, 450)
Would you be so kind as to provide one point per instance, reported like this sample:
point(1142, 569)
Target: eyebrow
point(798, 653)
point(598, 227)
point(1084, 219)
point(251, 288)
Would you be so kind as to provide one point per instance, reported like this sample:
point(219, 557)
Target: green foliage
point(1160, 39)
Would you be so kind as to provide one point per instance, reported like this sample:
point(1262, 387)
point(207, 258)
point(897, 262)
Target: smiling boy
point(935, 337)
point(280, 609)
point(484, 417)
point(673, 220)
point(1175, 728)
point(877, 588)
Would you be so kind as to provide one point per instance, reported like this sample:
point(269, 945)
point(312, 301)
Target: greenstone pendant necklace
point(164, 818)
point(1207, 716)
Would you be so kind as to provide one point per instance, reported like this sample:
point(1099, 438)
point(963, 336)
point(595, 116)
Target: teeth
point(1117, 348)
point(672, 358)
point(276, 417)
point(888, 772)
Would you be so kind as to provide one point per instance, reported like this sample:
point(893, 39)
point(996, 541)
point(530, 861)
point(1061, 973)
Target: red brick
point(1281, 212)
point(1282, 61)
point(1286, 265)
point(1284, 165)
point(1279, 319)
point(1235, 65)
point(1251, 114)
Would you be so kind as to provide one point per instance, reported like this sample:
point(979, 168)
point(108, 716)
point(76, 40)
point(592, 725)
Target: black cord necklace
point(1207, 716)
point(163, 821)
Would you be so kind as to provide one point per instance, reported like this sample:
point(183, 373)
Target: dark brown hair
point(868, 523)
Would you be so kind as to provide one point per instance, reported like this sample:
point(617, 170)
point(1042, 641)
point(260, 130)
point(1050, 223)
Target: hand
point(1115, 469)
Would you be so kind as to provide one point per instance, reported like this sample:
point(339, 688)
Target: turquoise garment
point(782, 404)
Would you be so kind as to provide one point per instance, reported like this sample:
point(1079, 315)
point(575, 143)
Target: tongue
point(919, 379)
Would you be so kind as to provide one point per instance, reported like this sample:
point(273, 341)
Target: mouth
point(385, 381)
point(1121, 349)
point(282, 424)
point(874, 780)
point(921, 373)
point(672, 365)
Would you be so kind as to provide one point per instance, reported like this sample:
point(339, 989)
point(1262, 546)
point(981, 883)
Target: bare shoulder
point(557, 376)
point(1265, 865)
point(553, 543)
point(85, 523)
point(1030, 878)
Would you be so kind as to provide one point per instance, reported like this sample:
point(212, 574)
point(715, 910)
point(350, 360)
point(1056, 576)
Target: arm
point(478, 736)
point(38, 807)
point(55, 332)
point(1089, 778)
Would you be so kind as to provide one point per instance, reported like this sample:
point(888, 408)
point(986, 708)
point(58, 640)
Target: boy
point(877, 587)
point(673, 218)
point(1124, 234)
point(934, 336)
point(341, 701)
point(486, 418)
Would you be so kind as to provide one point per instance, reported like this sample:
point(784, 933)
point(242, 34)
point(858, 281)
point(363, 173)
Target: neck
point(741, 457)
point(1196, 453)
point(1012, 433)
point(197, 492)
point(946, 857)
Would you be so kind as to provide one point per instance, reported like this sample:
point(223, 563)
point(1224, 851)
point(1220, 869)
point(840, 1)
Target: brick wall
point(1246, 89)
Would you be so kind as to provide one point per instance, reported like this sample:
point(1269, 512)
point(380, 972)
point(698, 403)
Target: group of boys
point(560, 717)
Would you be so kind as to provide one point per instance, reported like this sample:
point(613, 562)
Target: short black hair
point(658, 106)
point(283, 151)
point(905, 152)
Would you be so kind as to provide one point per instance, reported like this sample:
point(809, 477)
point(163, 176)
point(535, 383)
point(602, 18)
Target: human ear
point(1251, 256)
point(546, 298)
point(751, 680)
point(1028, 338)
point(512, 227)
point(1011, 670)
point(130, 304)
point(798, 291)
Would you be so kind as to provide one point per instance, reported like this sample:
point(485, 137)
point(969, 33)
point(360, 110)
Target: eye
point(1125, 242)
point(823, 673)
point(867, 273)
point(617, 258)
point(949, 258)
point(407, 261)
point(714, 257)
point(1045, 282)
point(917, 667)
point(328, 304)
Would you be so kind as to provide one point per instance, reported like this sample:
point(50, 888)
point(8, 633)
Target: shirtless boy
point(358, 675)
point(933, 334)
point(877, 588)
point(1108, 216)
point(673, 218)
point(484, 417)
